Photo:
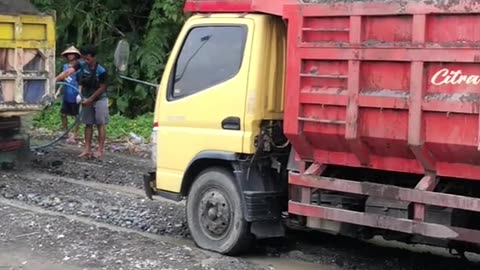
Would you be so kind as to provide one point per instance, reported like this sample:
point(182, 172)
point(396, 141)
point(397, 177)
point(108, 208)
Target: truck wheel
point(214, 213)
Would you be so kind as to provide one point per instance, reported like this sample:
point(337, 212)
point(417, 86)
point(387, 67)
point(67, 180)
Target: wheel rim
point(215, 213)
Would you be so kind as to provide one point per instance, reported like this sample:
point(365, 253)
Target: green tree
point(149, 25)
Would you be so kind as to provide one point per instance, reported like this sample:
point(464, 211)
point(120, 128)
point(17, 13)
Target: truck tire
point(214, 213)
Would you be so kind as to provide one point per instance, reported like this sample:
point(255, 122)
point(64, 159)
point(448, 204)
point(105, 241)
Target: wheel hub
point(215, 213)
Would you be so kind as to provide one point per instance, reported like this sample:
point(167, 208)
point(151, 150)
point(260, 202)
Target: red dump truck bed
point(388, 86)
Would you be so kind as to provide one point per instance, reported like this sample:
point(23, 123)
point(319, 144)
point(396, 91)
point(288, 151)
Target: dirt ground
point(60, 212)
point(32, 239)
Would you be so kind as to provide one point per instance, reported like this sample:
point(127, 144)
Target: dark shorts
point(70, 108)
point(97, 113)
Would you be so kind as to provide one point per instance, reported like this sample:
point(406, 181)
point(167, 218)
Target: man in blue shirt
point(93, 83)
point(70, 107)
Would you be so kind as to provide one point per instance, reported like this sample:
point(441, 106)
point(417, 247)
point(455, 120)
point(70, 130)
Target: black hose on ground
point(59, 138)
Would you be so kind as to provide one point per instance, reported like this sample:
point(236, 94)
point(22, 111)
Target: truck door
point(201, 103)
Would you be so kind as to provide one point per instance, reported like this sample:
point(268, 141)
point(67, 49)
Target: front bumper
point(149, 182)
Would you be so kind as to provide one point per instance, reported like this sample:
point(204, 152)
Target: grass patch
point(119, 126)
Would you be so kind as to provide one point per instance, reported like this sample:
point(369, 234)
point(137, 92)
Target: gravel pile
point(72, 243)
point(103, 206)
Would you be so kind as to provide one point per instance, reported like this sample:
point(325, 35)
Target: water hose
point(59, 138)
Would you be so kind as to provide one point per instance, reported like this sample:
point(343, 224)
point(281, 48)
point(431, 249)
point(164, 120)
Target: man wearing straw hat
point(70, 107)
point(93, 79)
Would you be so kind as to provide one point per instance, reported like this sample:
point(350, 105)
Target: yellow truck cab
point(219, 102)
point(216, 93)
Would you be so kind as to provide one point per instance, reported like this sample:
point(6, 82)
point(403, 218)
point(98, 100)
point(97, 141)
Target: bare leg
point(88, 141)
point(64, 122)
point(73, 134)
point(101, 141)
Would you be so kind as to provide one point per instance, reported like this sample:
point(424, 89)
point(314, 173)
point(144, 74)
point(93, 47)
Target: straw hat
point(71, 50)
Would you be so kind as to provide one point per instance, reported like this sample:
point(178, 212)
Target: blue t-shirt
point(70, 93)
point(90, 80)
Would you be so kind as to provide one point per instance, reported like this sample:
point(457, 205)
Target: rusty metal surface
point(11, 145)
point(27, 61)
point(25, 79)
point(428, 183)
point(315, 169)
point(10, 107)
point(386, 191)
point(9, 123)
point(17, 113)
point(385, 222)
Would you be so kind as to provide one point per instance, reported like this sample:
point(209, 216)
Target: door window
point(209, 56)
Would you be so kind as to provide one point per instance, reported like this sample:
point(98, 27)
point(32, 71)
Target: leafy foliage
point(150, 26)
point(119, 126)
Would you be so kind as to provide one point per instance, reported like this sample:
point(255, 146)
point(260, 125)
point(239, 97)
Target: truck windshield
point(203, 40)
point(210, 55)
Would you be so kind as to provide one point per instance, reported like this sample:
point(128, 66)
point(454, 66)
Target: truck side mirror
point(122, 54)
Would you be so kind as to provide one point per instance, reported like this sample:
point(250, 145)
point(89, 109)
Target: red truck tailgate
point(388, 86)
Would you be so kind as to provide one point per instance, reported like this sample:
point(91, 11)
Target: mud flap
point(148, 182)
point(264, 212)
point(267, 229)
